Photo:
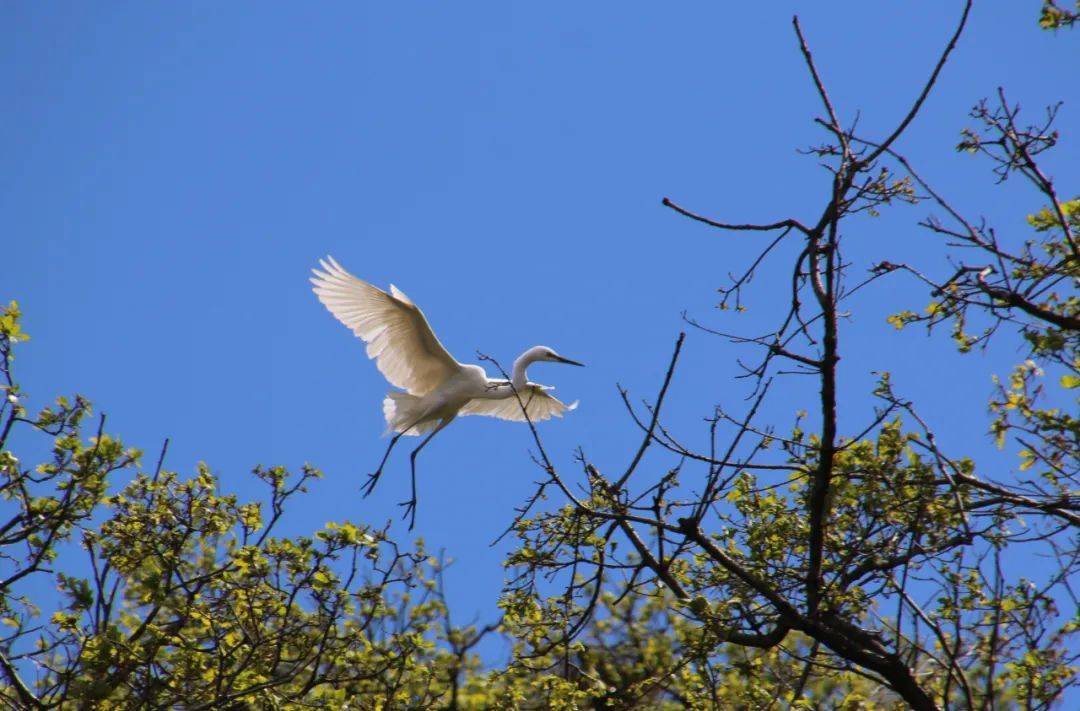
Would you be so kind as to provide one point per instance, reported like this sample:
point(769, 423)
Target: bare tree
point(877, 547)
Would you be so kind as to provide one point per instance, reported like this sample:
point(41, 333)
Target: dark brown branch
point(21, 689)
point(783, 224)
point(925, 91)
point(1012, 298)
point(833, 124)
point(648, 438)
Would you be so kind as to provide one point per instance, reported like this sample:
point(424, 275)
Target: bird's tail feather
point(402, 411)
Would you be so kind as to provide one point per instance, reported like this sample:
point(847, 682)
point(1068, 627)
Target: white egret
point(437, 387)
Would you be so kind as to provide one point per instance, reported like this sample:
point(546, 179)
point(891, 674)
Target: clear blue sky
point(171, 171)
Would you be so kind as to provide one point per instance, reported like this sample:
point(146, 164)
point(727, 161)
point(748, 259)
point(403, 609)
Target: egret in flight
point(437, 387)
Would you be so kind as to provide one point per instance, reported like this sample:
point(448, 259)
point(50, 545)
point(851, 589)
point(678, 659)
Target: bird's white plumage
point(539, 403)
point(398, 336)
point(406, 350)
point(439, 388)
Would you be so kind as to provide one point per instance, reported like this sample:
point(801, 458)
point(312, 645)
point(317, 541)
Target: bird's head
point(543, 353)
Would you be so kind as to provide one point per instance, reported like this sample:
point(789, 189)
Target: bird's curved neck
point(519, 377)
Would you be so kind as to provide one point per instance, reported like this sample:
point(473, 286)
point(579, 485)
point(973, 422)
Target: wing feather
point(539, 403)
point(399, 339)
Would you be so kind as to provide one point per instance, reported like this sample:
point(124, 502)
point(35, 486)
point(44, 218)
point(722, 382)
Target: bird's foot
point(369, 486)
point(410, 511)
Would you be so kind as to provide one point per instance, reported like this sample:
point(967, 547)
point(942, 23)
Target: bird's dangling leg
point(369, 486)
point(410, 505)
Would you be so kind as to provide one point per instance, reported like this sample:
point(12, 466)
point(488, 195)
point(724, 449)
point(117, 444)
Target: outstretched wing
point(397, 335)
point(540, 405)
